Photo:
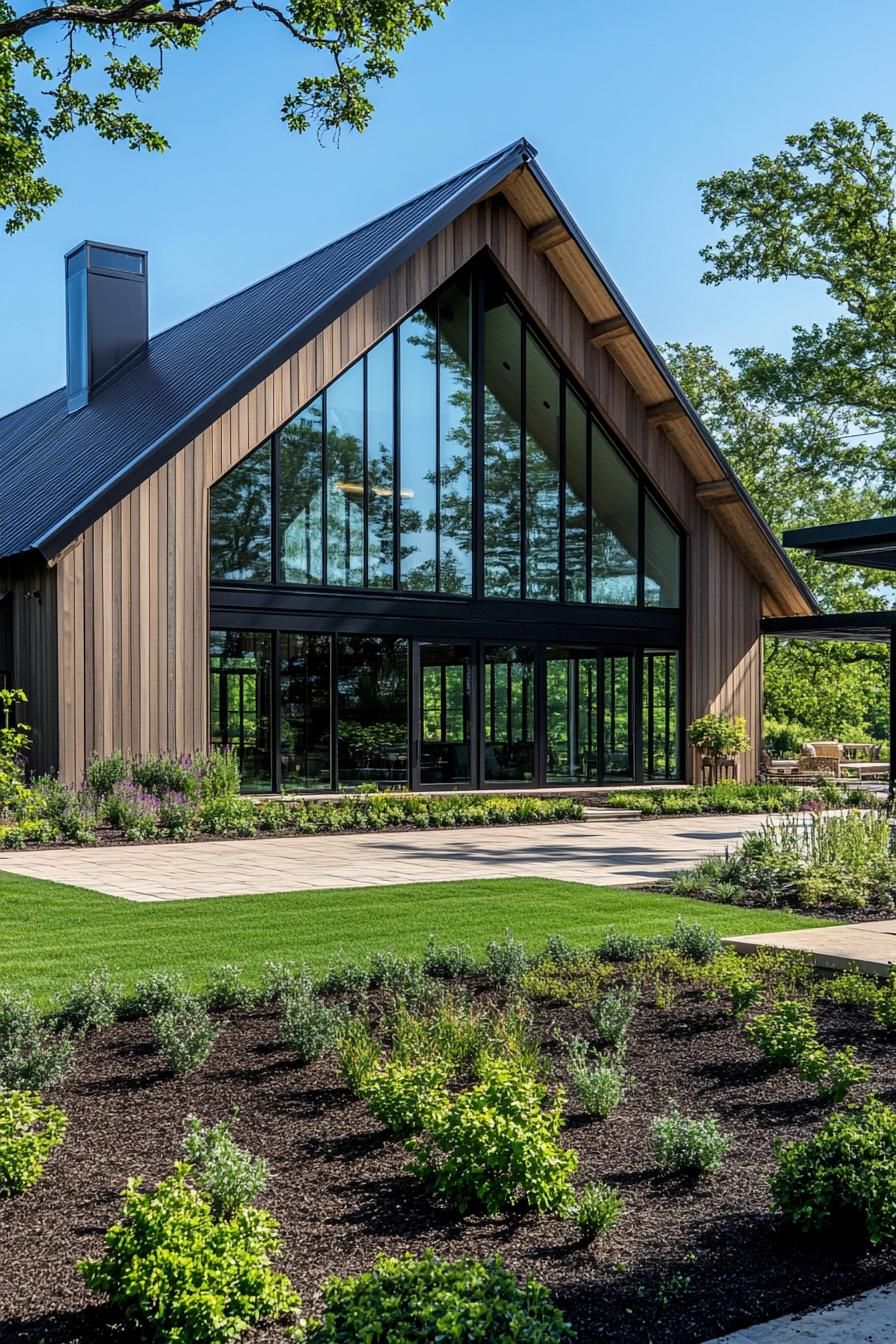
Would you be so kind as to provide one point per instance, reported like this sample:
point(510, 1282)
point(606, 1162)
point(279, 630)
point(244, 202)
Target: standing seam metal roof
point(59, 471)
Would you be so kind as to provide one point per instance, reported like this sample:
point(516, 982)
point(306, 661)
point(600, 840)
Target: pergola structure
point(871, 544)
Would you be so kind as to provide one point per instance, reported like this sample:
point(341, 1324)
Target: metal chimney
point(106, 314)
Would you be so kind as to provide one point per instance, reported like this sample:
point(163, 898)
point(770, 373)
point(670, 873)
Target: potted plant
point(718, 736)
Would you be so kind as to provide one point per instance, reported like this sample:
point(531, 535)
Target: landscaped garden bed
point(373, 1143)
point(732, 798)
point(840, 866)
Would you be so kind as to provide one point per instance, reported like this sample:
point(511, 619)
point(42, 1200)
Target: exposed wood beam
point(664, 412)
point(548, 235)
point(713, 493)
point(611, 329)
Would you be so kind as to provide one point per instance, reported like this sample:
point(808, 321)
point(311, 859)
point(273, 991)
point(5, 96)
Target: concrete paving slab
point(869, 1318)
point(603, 853)
point(871, 947)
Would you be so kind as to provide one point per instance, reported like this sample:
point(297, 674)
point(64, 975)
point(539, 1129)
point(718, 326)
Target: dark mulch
point(686, 1263)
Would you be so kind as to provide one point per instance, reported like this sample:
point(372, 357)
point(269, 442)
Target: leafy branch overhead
point(349, 46)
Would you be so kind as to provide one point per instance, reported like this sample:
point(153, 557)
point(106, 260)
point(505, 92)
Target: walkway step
point(612, 814)
point(870, 947)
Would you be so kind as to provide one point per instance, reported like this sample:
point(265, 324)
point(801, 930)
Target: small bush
point(29, 1131)
point(784, 1035)
point(495, 1145)
point(842, 1072)
point(280, 978)
point(177, 816)
point(91, 1004)
point(399, 975)
point(31, 1055)
point(228, 1175)
point(175, 1272)
point(559, 952)
point(851, 988)
point(226, 988)
point(157, 993)
point(163, 775)
point(226, 816)
point(429, 1300)
point(357, 1053)
point(505, 960)
point(695, 942)
point(185, 1034)
point(842, 1181)
point(405, 1097)
point(133, 812)
point(308, 1027)
point(580, 982)
point(683, 1146)
point(621, 945)
point(448, 961)
point(217, 773)
point(599, 1085)
point(597, 1211)
point(345, 977)
point(104, 772)
point(730, 974)
point(613, 1015)
point(884, 1005)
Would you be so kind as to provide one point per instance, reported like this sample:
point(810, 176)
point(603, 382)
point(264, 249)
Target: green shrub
point(495, 1145)
point(785, 1034)
point(162, 775)
point(842, 1181)
point(446, 1027)
point(29, 1131)
point(842, 1072)
point(91, 1004)
point(217, 773)
point(308, 1027)
point(683, 1146)
point(104, 772)
point(226, 988)
point(613, 1015)
point(177, 816)
point(399, 975)
point(598, 1084)
point(730, 974)
point(559, 952)
point(155, 994)
point(579, 982)
point(598, 1210)
point(430, 1301)
point(622, 945)
point(345, 977)
point(692, 940)
point(505, 960)
point(884, 1005)
point(226, 815)
point(405, 1097)
point(280, 978)
point(31, 1055)
point(185, 1033)
point(71, 815)
point(448, 961)
point(357, 1053)
point(228, 1175)
point(175, 1272)
point(850, 988)
point(133, 812)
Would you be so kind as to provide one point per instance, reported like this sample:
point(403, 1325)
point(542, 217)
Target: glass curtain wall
point(445, 689)
point(305, 712)
point(660, 724)
point(240, 702)
point(372, 705)
point(373, 483)
point(509, 713)
point(572, 683)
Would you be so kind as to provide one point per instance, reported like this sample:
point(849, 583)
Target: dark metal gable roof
point(59, 472)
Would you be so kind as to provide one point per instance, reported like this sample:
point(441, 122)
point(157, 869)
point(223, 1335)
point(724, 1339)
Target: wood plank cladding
point(133, 594)
point(664, 412)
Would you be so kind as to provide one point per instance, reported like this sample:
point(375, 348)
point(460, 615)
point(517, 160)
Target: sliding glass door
point(443, 712)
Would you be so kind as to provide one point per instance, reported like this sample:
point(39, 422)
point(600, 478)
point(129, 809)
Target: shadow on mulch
point(686, 1262)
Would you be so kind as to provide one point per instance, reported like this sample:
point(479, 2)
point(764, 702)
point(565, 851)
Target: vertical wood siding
point(133, 592)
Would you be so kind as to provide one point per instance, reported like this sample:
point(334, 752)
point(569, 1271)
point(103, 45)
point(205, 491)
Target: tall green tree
point(65, 66)
point(812, 431)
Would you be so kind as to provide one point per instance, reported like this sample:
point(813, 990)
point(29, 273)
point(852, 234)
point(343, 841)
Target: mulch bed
point(687, 1262)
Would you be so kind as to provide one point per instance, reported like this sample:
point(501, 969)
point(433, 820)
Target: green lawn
point(50, 934)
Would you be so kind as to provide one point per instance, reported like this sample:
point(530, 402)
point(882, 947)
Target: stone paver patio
point(871, 945)
point(623, 853)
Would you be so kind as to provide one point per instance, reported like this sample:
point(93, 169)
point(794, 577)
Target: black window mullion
point(324, 493)
point(588, 513)
point(276, 567)
point(561, 588)
point(642, 558)
point(365, 498)
point(524, 579)
point(276, 711)
point(438, 447)
point(478, 373)
point(396, 463)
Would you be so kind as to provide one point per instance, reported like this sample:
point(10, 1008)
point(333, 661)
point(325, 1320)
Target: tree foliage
point(812, 433)
point(113, 52)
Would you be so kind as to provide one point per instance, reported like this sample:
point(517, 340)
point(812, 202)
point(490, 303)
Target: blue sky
point(627, 105)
